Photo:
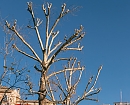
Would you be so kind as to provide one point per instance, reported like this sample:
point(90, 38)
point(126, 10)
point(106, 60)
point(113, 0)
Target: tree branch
point(23, 40)
point(24, 53)
point(90, 92)
point(92, 99)
point(60, 86)
point(99, 69)
point(56, 46)
point(54, 34)
point(75, 85)
point(37, 68)
point(36, 24)
point(76, 39)
point(56, 60)
point(47, 15)
point(50, 90)
point(66, 69)
point(62, 13)
point(77, 32)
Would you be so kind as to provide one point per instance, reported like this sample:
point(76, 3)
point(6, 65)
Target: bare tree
point(50, 82)
point(12, 76)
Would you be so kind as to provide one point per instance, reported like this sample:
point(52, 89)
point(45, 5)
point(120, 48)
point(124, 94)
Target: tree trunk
point(42, 89)
point(68, 101)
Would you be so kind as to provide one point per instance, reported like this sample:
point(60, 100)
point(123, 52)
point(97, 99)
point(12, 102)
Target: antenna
point(121, 95)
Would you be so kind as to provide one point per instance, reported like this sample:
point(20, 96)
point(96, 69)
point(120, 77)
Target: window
point(5, 98)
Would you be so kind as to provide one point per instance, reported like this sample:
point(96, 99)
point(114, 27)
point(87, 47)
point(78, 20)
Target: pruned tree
point(50, 82)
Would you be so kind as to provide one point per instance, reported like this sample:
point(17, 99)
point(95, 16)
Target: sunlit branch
point(36, 24)
point(79, 49)
point(70, 74)
point(91, 91)
point(66, 78)
point(23, 40)
point(95, 81)
point(89, 82)
point(47, 15)
point(62, 13)
point(66, 69)
point(65, 43)
point(14, 46)
point(54, 34)
point(56, 46)
point(75, 40)
point(97, 91)
point(78, 79)
point(70, 59)
point(86, 97)
point(56, 60)
point(51, 92)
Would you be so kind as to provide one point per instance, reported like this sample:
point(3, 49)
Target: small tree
point(50, 51)
point(11, 75)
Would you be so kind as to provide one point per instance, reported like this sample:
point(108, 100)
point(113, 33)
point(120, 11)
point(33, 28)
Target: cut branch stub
point(7, 24)
point(63, 7)
point(38, 22)
point(49, 5)
point(29, 6)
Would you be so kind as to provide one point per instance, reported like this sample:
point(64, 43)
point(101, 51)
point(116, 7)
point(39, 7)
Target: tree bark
point(42, 89)
point(68, 101)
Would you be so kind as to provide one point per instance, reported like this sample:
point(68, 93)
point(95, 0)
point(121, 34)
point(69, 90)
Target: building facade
point(12, 97)
point(121, 103)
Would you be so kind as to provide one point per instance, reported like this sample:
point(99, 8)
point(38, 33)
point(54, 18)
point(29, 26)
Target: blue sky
point(107, 40)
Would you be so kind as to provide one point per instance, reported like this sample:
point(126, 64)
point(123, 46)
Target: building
point(121, 103)
point(12, 97)
point(9, 96)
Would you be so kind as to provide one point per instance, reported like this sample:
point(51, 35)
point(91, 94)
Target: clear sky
point(107, 40)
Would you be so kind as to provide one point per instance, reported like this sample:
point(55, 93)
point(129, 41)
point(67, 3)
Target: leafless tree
point(11, 75)
point(50, 82)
